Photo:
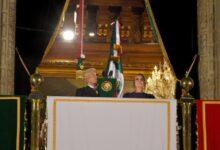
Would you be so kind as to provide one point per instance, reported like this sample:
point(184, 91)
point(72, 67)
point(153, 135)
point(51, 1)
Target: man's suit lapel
point(91, 91)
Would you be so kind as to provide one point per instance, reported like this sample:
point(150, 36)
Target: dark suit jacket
point(86, 92)
point(138, 95)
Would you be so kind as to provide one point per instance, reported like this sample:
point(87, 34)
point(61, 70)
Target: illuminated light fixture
point(68, 35)
point(162, 82)
point(91, 34)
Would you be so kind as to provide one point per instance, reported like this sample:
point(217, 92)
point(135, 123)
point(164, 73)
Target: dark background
point(36, 20)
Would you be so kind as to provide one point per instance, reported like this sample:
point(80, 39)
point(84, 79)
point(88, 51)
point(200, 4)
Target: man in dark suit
point(91, 81)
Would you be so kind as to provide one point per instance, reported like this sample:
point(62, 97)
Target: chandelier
point(162, 82)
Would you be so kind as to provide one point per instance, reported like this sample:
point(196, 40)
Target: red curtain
point(208, 125)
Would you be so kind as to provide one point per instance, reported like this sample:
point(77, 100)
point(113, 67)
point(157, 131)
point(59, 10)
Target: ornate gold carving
point(79, 74)
point(162, 83)
point(147, 35)
point(106, 86)
point(59, 62)
point(125, 32)
point(118, 48)
point(102, 30)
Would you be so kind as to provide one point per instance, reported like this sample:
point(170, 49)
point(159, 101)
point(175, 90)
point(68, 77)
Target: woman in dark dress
point(139, 86)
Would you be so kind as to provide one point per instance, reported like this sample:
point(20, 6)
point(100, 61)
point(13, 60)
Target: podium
point(111, 124)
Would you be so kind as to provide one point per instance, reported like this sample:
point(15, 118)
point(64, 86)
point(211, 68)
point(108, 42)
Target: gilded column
point(7, 45)
point(206, 48)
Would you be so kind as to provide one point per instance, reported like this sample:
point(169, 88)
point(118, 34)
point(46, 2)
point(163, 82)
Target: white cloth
point(92, 86)
point(111, 124)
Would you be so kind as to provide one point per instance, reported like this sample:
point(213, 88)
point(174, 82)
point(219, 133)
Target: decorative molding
point(70, 72)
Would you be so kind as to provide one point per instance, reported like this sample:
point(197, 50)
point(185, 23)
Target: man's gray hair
point(89, 71)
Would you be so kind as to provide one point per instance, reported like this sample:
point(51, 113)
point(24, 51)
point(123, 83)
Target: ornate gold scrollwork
point(102, 30)
point(125, 32)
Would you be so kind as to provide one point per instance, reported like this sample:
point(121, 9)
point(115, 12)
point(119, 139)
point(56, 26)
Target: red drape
point(208, 125)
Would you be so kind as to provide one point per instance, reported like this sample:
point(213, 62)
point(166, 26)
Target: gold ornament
point(118, 48)
point(106, 86)
point(81, 66)
point(36, 80)
point(187, 84)
point(162, 83)
point(79, 74)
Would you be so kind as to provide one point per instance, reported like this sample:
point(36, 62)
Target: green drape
point(12, 122)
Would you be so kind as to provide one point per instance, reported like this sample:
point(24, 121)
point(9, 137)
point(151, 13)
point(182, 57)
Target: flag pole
point(81, 24)
point(80, 55)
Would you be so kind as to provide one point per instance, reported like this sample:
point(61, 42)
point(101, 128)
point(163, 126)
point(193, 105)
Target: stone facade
point(209, 45)
point(7, 45)
point(217, 48)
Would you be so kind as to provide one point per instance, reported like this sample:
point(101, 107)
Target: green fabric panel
point(8, 123)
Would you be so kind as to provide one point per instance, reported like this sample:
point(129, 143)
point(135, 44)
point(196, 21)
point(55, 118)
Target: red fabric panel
point(210, 123)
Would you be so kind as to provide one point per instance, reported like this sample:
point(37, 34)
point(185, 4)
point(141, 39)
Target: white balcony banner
point(111, 124)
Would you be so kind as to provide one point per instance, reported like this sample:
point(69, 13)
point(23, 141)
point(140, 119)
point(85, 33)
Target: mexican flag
point(114, 68)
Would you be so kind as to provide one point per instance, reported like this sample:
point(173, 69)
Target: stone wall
point(217, 48)
point(7, 45)
point(209, 48)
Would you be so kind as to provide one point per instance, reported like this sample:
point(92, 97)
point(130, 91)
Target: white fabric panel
point(111, 124)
